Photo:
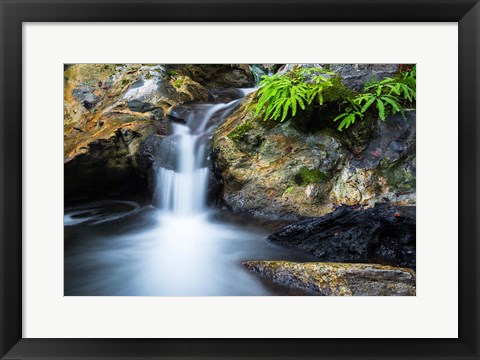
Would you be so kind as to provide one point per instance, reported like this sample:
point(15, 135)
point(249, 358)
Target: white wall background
point(432, 313)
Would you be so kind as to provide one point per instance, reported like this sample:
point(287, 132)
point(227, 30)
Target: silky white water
point(182, 191)
point(177, 247)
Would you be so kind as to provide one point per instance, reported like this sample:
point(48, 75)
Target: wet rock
point(305, 167)
point(140, 106)
point(190, 90)
point(104, 105)
point(155, 152)
point(180, 113)
point(102, 163)
point(383, 234)
point(273, 169)
point(335, 279)
point(225, 95)
point(90, 100)
point(218, 76)
point(85, 96)
point(385, 169)
point(355, 76)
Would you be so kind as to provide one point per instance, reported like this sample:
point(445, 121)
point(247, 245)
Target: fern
point(281, 95)
point(349, 116)
point(384, 96)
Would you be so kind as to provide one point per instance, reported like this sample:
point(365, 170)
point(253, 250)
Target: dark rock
point(155, 152)
point(225, 95)
point(354, 76)
point(105, 168)
point(140, 106)
point(180, 113)
point(394, 139)
point(383, 234)
point(218, 75)
point(85, 96)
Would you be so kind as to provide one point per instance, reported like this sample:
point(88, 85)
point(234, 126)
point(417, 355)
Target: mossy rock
point(336, 279)
point(399, 177)
point(307, 176)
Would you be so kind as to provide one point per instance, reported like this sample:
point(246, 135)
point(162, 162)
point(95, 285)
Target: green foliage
point(285, 93)
point(383, 96)
point(178, 82)
point(307, 176)
point(282, 95)
point(350, 114)
point(171, 72)
point(125, 82)
point(238, 134)
point(337, 92)
point(409, 78)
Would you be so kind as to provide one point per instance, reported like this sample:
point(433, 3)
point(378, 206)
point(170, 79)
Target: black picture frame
point(15, 12)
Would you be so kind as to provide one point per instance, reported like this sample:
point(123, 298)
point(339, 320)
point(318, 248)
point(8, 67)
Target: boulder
point(385, 170)
point(109, 112)
point(383, 234)
point(305, 167)
point(218, 75)
point(190, 90)
point(355, 76)
point(334, 279)
point(272, 169)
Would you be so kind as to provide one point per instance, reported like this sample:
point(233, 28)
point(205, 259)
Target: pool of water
point(119, 248)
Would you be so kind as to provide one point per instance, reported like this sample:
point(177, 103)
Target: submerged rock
point(383, 234)
point(335, 279)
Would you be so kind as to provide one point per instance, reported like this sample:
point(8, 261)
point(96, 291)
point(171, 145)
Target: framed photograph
point(239, 180)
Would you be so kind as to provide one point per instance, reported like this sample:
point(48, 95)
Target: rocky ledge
point(335, 279)
point(114, 112)
point(305, 167)
point(383, 234)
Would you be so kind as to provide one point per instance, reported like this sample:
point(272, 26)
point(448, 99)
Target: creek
point(177, 246)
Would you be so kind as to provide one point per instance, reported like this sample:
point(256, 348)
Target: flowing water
point(176, 247)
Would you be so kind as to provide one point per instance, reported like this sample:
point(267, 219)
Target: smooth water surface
point(115, 248)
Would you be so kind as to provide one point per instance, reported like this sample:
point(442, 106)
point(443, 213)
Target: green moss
point(91, 74)
point(178, 82)
point(240, 132)
point(307, 176)
point(171, 73)
point(125, 82)
point(399, 179)
point(337, 92)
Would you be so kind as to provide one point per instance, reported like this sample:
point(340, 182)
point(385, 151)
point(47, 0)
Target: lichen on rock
point(258, 161)
point(336, 279)
point(103, 103)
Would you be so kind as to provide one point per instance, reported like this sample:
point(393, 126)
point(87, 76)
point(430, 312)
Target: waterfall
point(182, 191)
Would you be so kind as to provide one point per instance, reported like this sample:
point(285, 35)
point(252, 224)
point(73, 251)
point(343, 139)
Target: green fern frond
point(381, 109)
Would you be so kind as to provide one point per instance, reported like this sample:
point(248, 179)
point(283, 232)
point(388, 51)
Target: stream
point(177, 246)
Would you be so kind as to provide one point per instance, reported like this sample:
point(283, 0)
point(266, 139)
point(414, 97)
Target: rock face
point(274, 169)
point(304, 167)
point(218, 75)
point(382, 234)
point(333, 279)
point(354, 76)
point(114, 117)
